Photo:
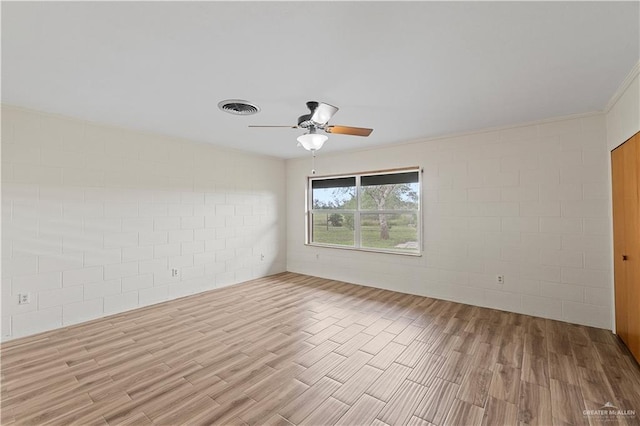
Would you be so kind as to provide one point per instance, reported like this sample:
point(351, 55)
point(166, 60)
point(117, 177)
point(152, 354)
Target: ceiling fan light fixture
point(312, 141)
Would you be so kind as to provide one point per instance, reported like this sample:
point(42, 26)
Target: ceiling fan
point(318, 119)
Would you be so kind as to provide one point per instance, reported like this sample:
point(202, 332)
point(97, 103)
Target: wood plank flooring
point(293, 349)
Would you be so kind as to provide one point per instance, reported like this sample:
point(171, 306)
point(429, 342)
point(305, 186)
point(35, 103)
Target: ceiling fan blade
point(290, 127)
point(346, 130)
point(323, 113)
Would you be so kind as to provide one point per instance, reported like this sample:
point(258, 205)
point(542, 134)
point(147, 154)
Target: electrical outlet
point(24, 299)
point(175, 272)
point(500, 279)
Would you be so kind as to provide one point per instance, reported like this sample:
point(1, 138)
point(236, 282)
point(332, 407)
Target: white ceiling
point(409, 70)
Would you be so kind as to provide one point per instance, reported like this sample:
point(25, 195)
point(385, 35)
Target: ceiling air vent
point(238, 107)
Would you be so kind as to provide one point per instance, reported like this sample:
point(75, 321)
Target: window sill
point(367, 250)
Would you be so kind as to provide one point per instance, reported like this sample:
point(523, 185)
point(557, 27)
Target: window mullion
point(420, 212)
point(356, 216)
point(322, 211)
point(309, 232)
point(389, 211)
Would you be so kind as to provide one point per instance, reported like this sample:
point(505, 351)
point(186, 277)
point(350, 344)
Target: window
point(378, 211)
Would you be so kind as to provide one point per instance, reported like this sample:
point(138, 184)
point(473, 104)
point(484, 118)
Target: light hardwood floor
point(294, 349)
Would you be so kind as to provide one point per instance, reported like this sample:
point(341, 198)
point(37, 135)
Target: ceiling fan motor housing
point(305, 121)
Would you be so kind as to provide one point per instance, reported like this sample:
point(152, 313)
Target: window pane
point(390, 231)
point(396, 196)
point(338, 193)
point(333, 182)
point(389, 179)
point(333, 228)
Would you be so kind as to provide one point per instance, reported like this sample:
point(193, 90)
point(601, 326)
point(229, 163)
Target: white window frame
point(310, 211)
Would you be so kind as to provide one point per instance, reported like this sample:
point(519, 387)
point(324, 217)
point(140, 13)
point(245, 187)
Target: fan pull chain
point(313, 161)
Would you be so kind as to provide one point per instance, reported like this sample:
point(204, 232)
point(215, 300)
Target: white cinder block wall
point(528, 202)
point(94, 218)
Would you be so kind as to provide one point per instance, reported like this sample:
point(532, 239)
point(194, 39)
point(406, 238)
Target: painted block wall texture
point(95, 217)
point(529, 202)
